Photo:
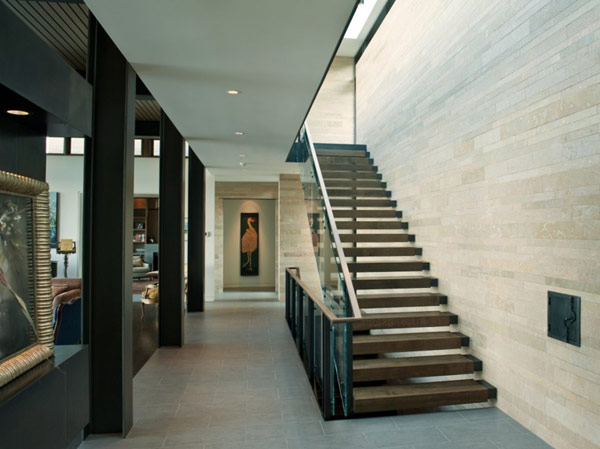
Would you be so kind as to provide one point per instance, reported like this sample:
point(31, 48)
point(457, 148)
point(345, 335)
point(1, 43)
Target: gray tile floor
point(238, 383)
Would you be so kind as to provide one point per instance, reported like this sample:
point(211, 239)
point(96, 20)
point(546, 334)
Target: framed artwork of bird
point(249, 244)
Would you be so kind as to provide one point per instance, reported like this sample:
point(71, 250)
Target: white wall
point(209, 241)
point(64, 174)
point(232, 209)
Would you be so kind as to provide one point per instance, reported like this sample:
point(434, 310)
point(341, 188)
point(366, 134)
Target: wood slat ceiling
point(64, 26)
point(147, 110)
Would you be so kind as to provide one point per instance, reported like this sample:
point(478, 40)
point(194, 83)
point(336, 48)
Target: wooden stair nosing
point(367, 213)
point(358, 193)
point(373, 225)
point(381, 267)
point(377, 238)
point(346, 154)
point(344, 160)
point(421, 395)
point(407, 342)
point(412, 367)
point(401, 300)
point(362, 203)
point(405, 320)
point(329, 174)
point(340, 146)
point(348, 168)
point(364, 183)
point(395, 282)
point(373, 251)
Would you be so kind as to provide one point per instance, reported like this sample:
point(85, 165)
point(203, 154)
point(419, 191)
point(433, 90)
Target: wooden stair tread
point(401, 295)
point(372, 193)
point(403, 320)
point(395, 278)
point(346, 154)
point(375, 283)
point(420, 395)
point(336, 174)
point(412, 367)
point(372, 251)
point(378, 267)
point(385, 202)
point(340, 146)
point(344, 167)
point(347, 183)
point(428, 299)
point(377, 238)
point(432, 313)
point(341, 160)
point(374, 225)
point(408, 361)
point(406, 342)
point(367, 213)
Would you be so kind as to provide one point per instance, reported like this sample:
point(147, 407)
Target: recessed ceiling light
point(242, 155)
point(233, 92)
point(239, 133)
point(17, 112)
point(242, 164)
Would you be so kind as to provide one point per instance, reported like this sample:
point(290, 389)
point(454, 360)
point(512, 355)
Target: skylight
point(362, 13)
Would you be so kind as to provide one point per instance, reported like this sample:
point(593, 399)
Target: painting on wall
point(53, 206)
point(249, 244)
point(25, 299)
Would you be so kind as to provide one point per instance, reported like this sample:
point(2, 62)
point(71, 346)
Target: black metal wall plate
point(564, 318)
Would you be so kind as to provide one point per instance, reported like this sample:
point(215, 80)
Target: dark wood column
point(171, 211)
point(108, 189)
point(196, 205)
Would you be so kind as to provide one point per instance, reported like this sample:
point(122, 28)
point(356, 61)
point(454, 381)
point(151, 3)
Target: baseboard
point(251, 288)
point(246, 295)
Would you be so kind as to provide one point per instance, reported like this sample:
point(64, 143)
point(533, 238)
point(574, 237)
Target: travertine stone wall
point(484, 120)
point(296, 248)
point(331, 118)
point(238, 190)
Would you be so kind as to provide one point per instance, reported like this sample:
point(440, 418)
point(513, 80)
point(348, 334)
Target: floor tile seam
point(442, 433)
point(164, 441)
point(412, 426)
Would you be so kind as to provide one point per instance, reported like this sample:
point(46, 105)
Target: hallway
point(238, 383)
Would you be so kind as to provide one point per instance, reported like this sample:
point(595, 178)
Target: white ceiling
point(190, 52)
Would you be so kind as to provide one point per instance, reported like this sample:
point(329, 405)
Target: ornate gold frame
point(41, 283)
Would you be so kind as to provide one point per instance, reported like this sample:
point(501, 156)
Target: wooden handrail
point(334, 232)
point(293, 272)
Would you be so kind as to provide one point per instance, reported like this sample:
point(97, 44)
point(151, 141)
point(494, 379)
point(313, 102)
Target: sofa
point(64, 290)
point(66, 308)
point(140, 267)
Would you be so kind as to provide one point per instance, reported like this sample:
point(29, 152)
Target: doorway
point(249, 247)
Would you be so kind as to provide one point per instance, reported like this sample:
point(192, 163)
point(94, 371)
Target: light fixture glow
point(239, 133)
point(242, 155)
point(17, 112)
point(242, 164)
point(233, 92)
point(362, 13)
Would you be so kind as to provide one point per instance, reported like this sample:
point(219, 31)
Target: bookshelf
point(145, 222)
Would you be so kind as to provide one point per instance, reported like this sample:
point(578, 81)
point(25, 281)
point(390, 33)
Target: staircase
point(388, 275)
